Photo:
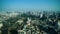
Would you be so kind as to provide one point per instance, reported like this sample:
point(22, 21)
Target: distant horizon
point(29, 5)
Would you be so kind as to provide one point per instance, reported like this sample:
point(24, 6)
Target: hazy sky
point(12, 5)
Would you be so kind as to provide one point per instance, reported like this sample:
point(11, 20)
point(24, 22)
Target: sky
point(13, 5)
